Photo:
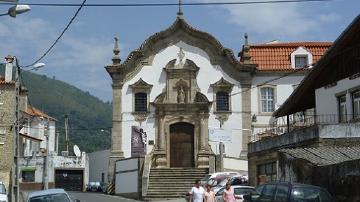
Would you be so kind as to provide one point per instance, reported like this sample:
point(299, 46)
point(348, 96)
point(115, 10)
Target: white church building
point(181, 83)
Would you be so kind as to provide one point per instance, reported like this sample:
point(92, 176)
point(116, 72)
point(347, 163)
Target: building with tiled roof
point(32, 111)
point(319, 143)
point(7, 120)
point(280, 67)
point(184, 81)
point(277, 56)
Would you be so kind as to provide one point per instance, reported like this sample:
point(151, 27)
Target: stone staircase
point(167, 183)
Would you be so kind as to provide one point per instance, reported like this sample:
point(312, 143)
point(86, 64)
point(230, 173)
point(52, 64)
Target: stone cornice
point(180, 30)
point(141, 85)
point(222, 84)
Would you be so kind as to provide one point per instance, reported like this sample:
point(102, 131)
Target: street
point(96, 197)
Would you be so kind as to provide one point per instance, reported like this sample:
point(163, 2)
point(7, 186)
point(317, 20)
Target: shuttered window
point(140, 102)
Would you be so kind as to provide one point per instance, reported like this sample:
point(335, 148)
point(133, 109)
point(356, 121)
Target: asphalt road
point(97, 197)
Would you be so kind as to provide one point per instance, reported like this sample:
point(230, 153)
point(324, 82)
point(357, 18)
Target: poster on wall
point(138, 142)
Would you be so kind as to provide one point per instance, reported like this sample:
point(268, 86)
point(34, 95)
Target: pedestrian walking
point(197, 193)
point(228, 194)
point(209, 194)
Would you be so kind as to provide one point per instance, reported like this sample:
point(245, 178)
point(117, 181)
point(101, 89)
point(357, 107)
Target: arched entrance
point(182, 145)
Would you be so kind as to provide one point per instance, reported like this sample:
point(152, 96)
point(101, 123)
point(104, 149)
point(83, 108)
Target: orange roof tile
point(276, 56)
point(32, 111)
point(3, 82)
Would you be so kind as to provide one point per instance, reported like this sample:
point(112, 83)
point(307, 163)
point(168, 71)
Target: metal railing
point(300, 121)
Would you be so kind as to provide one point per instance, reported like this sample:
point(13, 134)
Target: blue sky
point(79, 58)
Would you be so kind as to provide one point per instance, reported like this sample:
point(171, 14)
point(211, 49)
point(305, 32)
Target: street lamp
point(16, 143)
point(17, 9)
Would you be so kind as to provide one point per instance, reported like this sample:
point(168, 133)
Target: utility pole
point(46, 167)
point(66, 133)
point(15, 170)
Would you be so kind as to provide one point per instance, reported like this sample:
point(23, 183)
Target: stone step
point(166, 194)
point(169, 189)
point(172, 182)
point(175, 176)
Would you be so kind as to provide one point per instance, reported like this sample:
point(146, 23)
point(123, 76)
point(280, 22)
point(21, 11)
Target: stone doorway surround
point(181, 101)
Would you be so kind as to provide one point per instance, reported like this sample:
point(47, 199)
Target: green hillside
point(87, 114)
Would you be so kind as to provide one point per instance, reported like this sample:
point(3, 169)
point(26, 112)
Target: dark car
point(288, 192)
point(94, 187)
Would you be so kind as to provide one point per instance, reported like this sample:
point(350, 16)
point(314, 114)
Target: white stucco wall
point(208, 74)
point(327, 104)
point(37, 128)
point(283, 89)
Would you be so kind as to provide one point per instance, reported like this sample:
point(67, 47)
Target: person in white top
point(197, 193)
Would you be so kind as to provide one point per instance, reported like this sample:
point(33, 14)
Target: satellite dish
point(77, 151)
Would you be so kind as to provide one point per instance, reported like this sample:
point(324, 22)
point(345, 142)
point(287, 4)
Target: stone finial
point(246, 39)
point(246, 51)
point(180, 13)
point(181, 55)
point(116, 58)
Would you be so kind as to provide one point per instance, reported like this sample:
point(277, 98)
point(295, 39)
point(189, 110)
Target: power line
point(271, 80)
point(59, 37)
point(171, 4)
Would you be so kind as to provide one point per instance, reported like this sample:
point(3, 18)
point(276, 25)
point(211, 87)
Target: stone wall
point(255, 160)
point(7, 120)
point(341, 180)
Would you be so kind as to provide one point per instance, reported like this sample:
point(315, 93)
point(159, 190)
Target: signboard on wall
point(219, 135)
point(138, 142)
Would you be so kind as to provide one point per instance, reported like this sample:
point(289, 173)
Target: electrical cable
point(171, 4)
point(59, 37)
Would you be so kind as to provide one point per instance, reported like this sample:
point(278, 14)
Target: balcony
point(298, 122)
point(303, 129)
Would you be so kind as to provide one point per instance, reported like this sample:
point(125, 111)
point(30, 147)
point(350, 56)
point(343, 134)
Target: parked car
point(215, 178)
point(50, 195)
point(239, 192)
point(3, 193)
point(288, 192)
point(234, 180)
point(94, 186)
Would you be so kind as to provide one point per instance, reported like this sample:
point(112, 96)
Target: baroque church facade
point(176, 86)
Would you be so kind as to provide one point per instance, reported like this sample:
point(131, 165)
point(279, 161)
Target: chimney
point(8, 68)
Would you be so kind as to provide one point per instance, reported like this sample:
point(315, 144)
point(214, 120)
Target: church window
point(141, 96)
point(222, 101)
point(141, 102)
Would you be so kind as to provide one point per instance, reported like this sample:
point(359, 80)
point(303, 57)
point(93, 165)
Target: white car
point(50, 195)
point(214, 178)
point(239, 192)
point(3, 194)
point(234, 180)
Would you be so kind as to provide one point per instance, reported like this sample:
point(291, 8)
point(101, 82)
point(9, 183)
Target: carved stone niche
point(226, 87)
point(181, 84)
point(140, 87)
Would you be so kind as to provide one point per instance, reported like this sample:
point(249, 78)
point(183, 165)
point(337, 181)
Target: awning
point(30, 137)
point(323, 156)
point(28, 168)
